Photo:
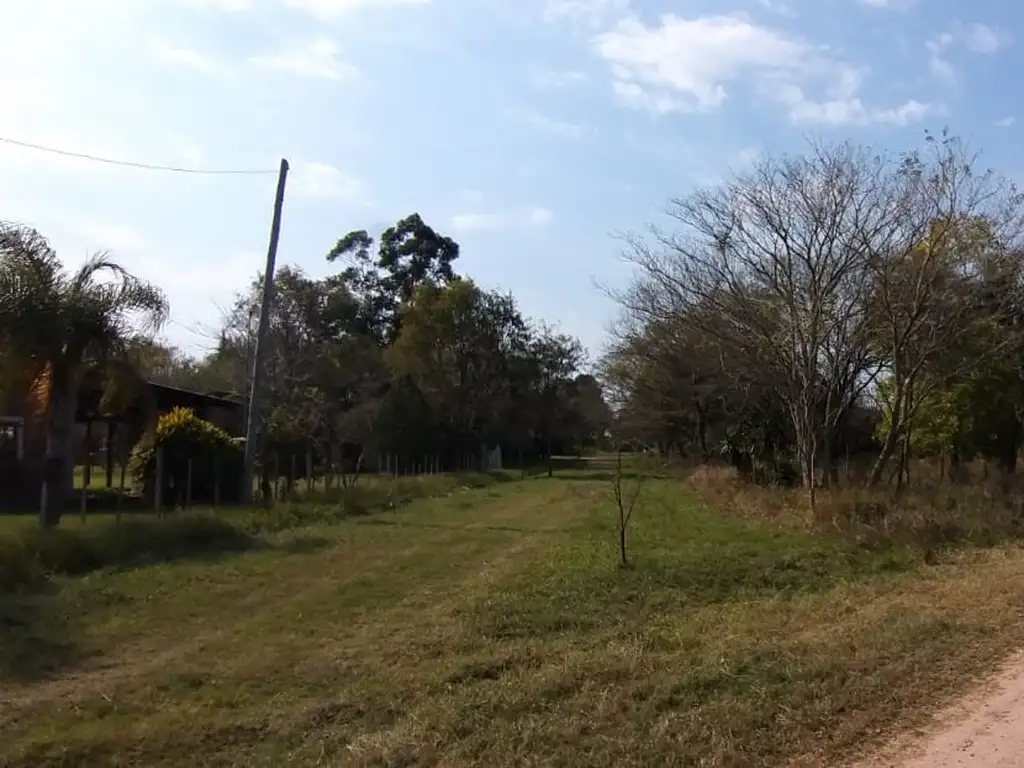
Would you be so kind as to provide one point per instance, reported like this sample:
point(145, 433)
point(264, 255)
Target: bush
point(185, 439)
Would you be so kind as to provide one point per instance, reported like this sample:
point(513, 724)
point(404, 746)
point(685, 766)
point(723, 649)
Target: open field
point(492, 626)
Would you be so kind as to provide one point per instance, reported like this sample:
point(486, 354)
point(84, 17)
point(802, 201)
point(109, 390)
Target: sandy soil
point(985, 730)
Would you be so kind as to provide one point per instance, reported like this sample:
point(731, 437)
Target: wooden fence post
point(216, 481)
point(120, 495)
point(159, 494)
point(291, 473)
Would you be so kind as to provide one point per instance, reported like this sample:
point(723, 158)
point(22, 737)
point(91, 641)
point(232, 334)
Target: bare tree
point(770, 265)
point(626, 495)
point(949, 224)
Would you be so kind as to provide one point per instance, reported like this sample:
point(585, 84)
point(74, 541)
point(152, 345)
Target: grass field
point(491, 626)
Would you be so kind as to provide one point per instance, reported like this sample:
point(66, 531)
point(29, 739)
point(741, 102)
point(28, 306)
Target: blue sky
point(530, 131)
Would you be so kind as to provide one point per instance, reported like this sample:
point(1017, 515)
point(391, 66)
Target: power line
point(130, 164)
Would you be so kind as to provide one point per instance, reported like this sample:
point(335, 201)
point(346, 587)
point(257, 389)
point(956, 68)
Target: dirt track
point(985, 730)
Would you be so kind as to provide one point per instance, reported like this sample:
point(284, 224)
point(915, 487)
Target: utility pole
point(253, 420)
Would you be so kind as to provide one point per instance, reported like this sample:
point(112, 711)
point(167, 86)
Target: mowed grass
point(492, 626)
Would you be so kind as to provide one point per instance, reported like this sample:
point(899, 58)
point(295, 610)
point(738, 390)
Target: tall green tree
point(457, 343)
point(63, 322)
point(407, 255)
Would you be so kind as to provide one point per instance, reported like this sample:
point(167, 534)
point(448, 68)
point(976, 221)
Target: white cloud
point(192, 155)
point(189, 58)
point(322, 181)
point(550, 79)
point(982, 38)
point(332, 9)
point(560, 128)
point(976, 37)
point(223, 6)
point(889, 5)
point(539, 216)
point(1005, 122)
point(473, 222)
point(691, 65)
point(20, 96)
point(318, 58)
point(101, 236)
point(743, 158)
point(535, 216)
point(775, 6)
point(591, 13)
point(938, 64)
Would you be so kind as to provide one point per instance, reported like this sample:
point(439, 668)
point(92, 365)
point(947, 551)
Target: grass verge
point(29, 555)
point(493, 627)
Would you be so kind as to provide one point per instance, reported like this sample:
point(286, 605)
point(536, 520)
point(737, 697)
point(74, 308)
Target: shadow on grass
point(469, 527)
point(29, 556)
point(41, 618)
point(601, 476)
point(39, 634)
point(39, 628)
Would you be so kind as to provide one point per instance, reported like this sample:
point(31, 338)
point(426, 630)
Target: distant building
point(105, 437)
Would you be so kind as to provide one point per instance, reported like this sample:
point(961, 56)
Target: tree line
point(841, 300)
point(398, 354)
point(394, 353)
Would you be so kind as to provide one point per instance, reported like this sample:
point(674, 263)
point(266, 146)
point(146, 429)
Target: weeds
point(927, 516)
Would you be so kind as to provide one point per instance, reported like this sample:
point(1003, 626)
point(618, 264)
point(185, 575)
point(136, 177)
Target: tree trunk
point(623, 559)
point(829, 459)
point(955, 469)
point(58, 469)
point(702, 436)
point(1009, 442)
point(889, 446)
point(892, 435)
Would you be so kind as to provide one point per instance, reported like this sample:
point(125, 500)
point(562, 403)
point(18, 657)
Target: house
point(103, 438)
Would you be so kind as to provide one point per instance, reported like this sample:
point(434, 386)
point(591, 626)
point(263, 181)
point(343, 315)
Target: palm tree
point(62, 323)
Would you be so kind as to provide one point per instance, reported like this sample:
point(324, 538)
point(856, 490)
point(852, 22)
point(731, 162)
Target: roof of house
point(167, 398)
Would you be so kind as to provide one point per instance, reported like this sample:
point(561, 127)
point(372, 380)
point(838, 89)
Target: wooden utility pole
point(253, 422)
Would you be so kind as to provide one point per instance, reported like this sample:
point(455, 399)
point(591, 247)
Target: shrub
point(186, 440)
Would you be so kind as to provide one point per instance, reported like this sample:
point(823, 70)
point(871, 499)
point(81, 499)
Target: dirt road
point(985, 730)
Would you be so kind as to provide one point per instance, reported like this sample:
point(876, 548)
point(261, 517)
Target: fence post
point(87, 477)
point(329, 475)
point(158, 496)
point(216, 481)
point(188, 484)
point(120, 496)
point(291, 472)
point(84, 502)
point(309, 470)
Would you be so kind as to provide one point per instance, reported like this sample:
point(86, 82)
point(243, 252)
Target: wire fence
point(184, 482)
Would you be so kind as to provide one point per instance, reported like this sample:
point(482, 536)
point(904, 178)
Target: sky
point(535, 132)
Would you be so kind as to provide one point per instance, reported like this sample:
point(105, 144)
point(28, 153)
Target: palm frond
point(44, 312)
